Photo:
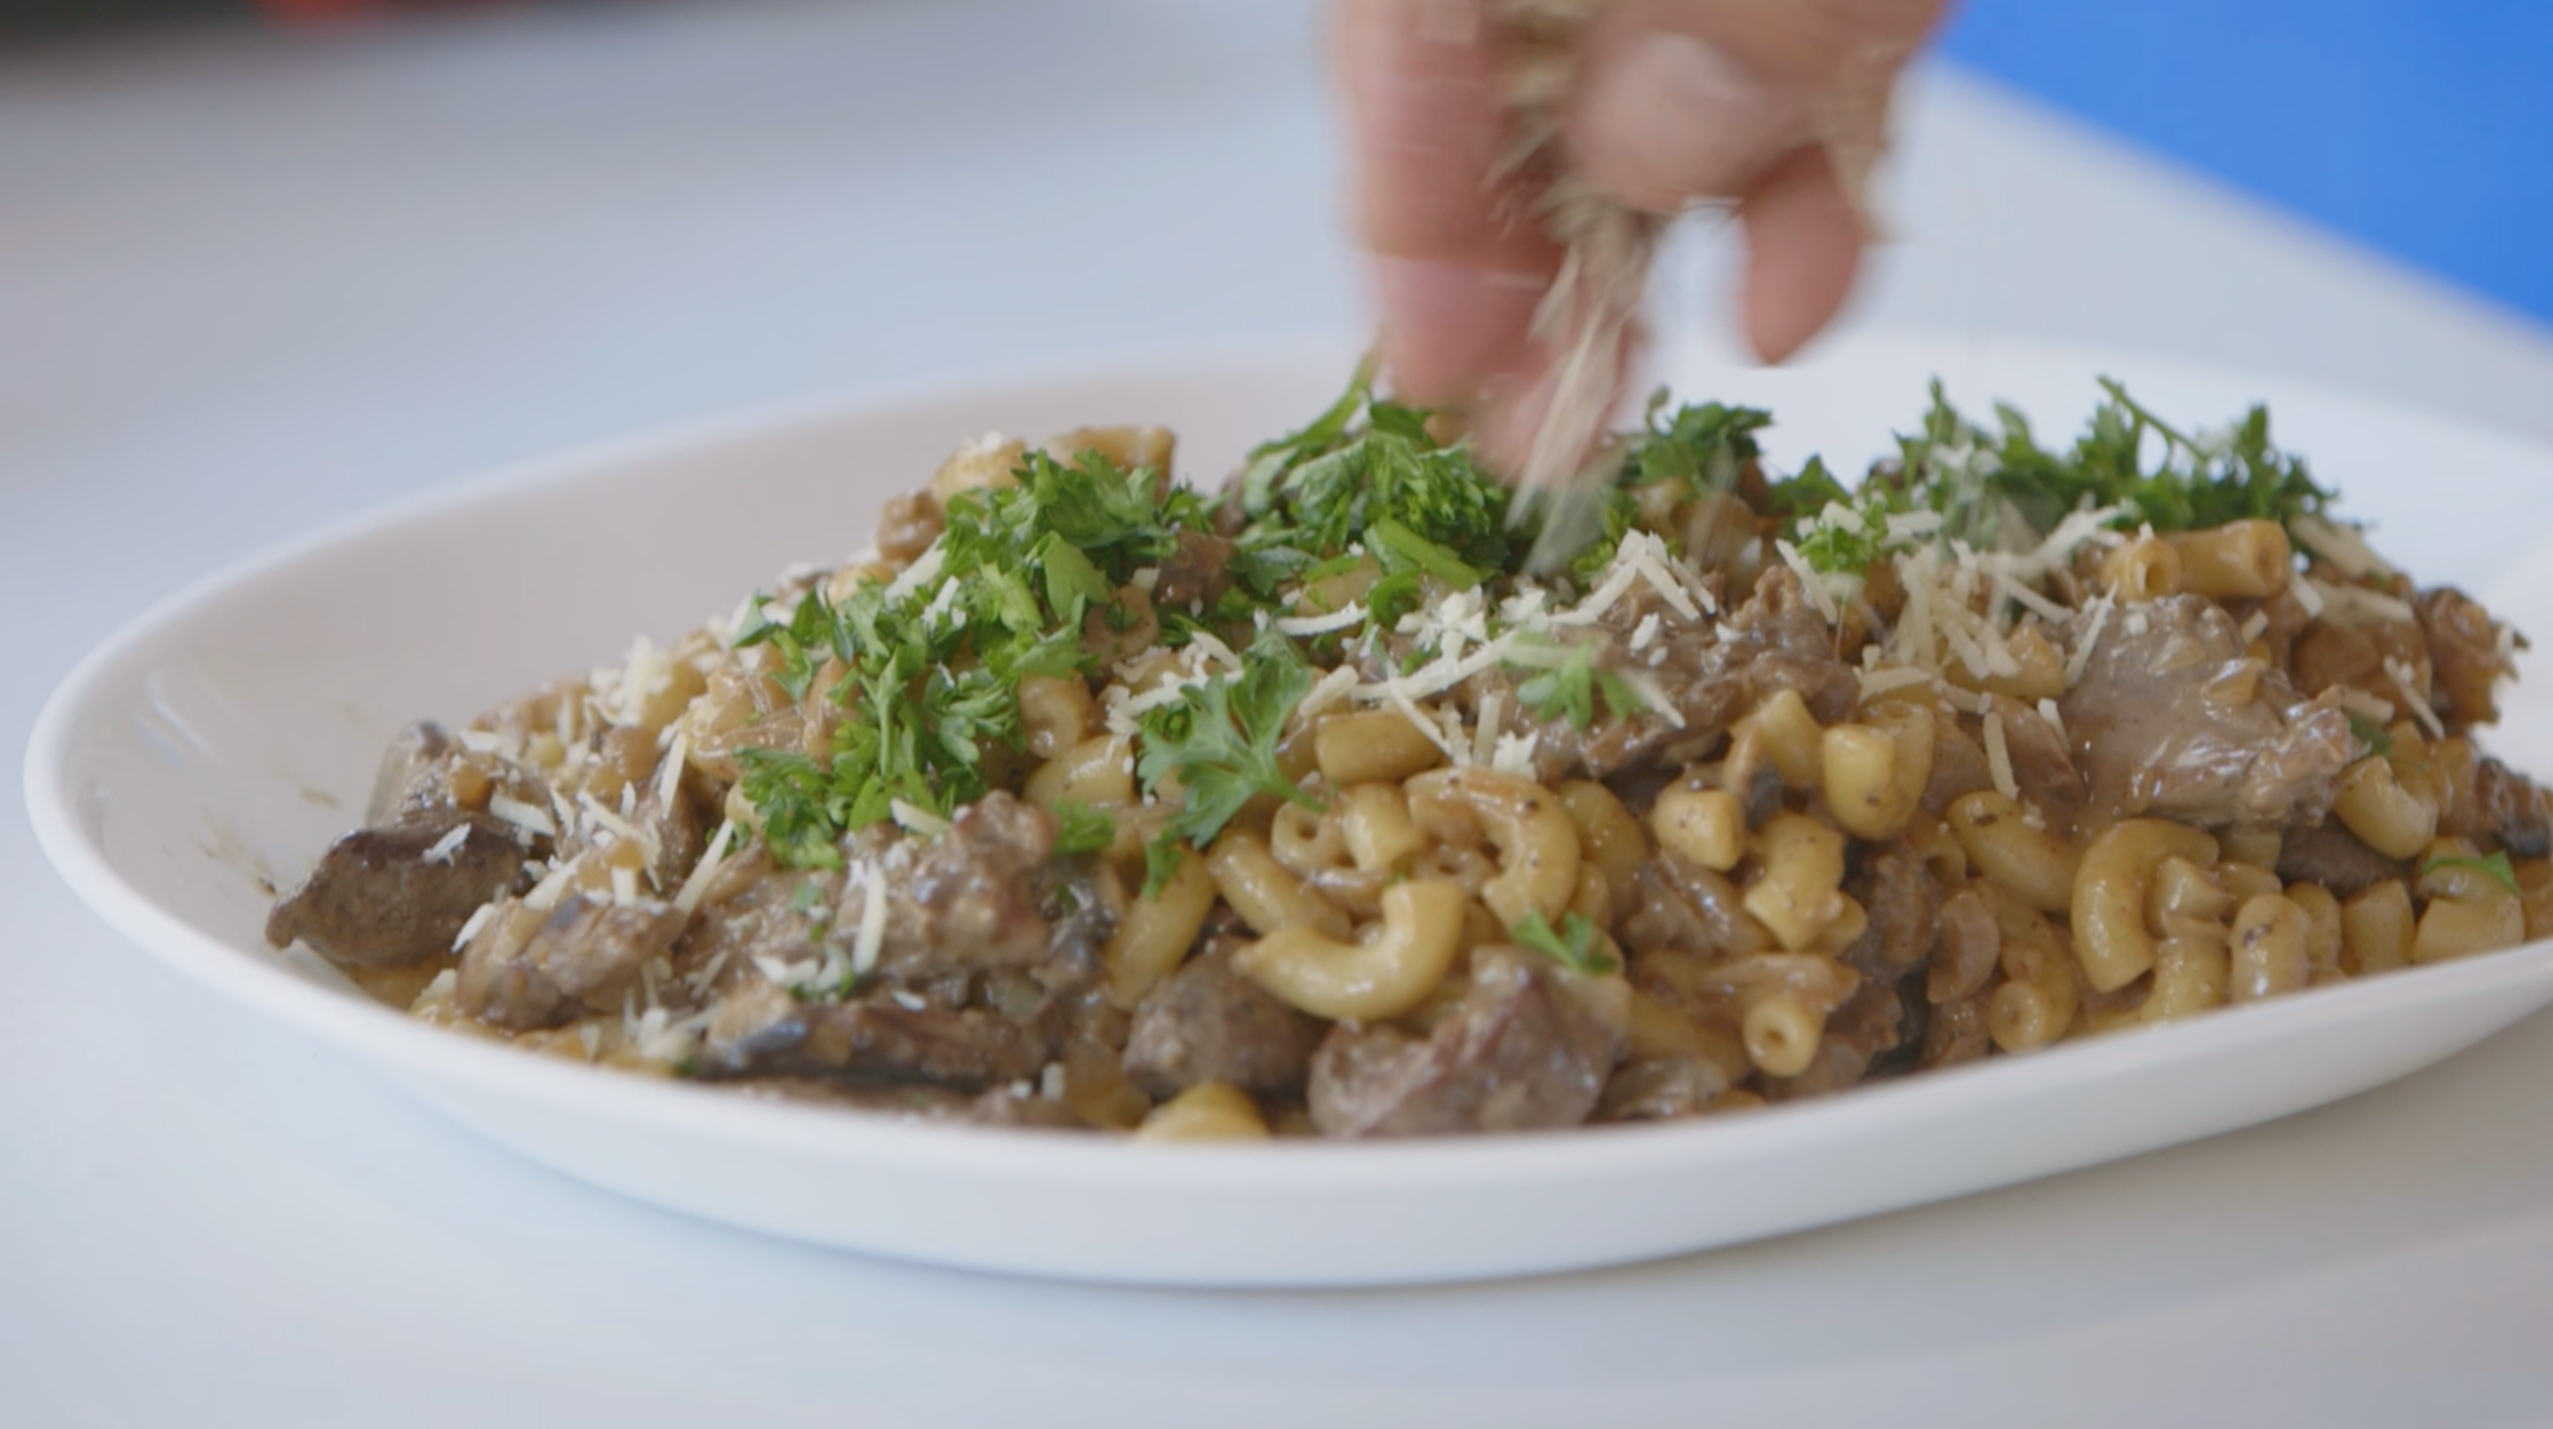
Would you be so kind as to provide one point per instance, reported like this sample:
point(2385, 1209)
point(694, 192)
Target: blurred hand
point(1676, 101)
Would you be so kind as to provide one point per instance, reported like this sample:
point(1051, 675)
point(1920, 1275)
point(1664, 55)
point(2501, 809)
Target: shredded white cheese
point(2056, 721)
point(2256, 626)
point(1645, 632)
point(917, 819)
point(1893, 677)
point(1325, 692)
point(531, 818)
point(2400, 672)
point(470, 929)
point(546, 893)
point(2308, 595)
point(871, 939)
point(1999, 757)
point(687, 900)
point(442, 849)
point(1345, 617)
point(2081, 659)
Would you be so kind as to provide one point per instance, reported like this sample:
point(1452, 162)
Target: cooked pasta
point(1316, 807)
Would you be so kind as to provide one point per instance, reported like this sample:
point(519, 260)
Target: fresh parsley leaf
point(1705, 447)
point(800, 807)
point(2494, 865)
point(2373, 735)
point(1845, 540)
point(1080, 828)
point(1575, 945)
point(1220, 740)
point(1571, 687)
point(1806, 494)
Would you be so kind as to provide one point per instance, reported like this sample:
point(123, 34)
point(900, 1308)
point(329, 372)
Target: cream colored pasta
point(2111, 889)
point(1387, 972)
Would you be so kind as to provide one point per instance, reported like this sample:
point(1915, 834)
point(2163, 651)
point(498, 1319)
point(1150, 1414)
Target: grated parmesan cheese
point(625, 886)
point(2081, 659)
point(687, 900)
point(1350, 615)
point(470, 929)
point(1645, 632)
point(2400, 672)
point(1325, 692)
point(2256, 626)
point(871, 939)
point(1999, 758)
point(2056, 721)
point(2308, 594)
point(546, 893)
point(916, 819)
point(442, 849)
point(1894, 677)
point(531, 818)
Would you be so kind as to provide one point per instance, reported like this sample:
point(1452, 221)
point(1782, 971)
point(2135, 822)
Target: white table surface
point(247, 285)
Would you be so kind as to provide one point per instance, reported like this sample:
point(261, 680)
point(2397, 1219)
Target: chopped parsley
point(1220, 742)
point(2371, 734)
point(1080, 828)
point(1705, 448)
point(2494, 866)
point(1576, 945)
point(1570, 689)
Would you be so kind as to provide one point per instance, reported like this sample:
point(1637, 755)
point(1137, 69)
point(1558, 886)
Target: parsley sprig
point(1220, 742)
point(1577, 944)
point(2494, 866)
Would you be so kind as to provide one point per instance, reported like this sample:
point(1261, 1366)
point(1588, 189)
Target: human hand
point(1778, 106)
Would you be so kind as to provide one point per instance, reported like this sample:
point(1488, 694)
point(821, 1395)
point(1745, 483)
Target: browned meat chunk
point(2332, 856)
point(386, 897)
point(2171, 718)
point(1683, 905)
point(969, 899)
point(785, 918)
point(1901, 899)
point(2506, 808)
point(1521, 1051)
point(1661, 1089)
point(2041, 767)
point(2464, 650)
point(762, 1031)
point(416, 774)
point(526, 969)
point(1207, 1023)
point(1958, 766)
point(1871, 1022)
point(1776, 641)
point(1196, 574)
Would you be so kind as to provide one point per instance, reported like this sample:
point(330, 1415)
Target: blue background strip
point(2424, 130)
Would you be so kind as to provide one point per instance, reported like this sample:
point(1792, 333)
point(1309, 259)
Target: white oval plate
point(232, 731)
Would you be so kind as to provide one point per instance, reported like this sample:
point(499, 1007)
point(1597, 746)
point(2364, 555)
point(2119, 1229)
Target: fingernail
point(1672, 118)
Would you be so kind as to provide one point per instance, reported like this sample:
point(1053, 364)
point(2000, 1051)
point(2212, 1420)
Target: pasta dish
point(1331, 802)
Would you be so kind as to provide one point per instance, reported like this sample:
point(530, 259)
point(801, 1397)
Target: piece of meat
point(398, 894)
point(1683, 905)
point(1195, 575)
point(2464, 651)
point(2330, 855)
point(2506, 808)
point(1870, 1024)
point(1776, 640)
point(782, 917)
point(415, 776)
point(1520, 1051)
point(1901, 899)
point(968, 899)
point(760, 1030)
point(1957, 1032)
point(1661, 1089)
point(1958, 766)
point(2041, 766)
point(1207, 1023)
point(2171, 718)
point(525, 968)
